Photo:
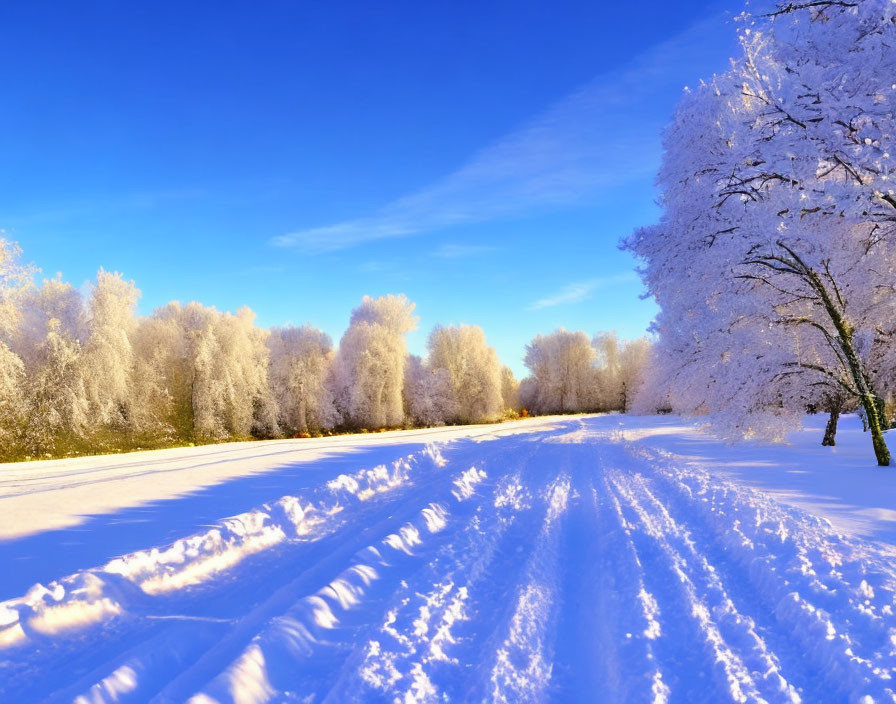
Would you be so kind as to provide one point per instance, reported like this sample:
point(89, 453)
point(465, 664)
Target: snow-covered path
point(565, 564)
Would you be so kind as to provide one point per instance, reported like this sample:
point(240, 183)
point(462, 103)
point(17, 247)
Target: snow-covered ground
point(576, 559)
point(842, 483)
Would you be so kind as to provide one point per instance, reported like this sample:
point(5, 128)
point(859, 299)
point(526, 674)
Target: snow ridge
point(122, 584)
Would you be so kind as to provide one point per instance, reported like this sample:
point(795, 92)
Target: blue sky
point(483, 158)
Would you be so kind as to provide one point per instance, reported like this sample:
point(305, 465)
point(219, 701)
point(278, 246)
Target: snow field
point(564, 565)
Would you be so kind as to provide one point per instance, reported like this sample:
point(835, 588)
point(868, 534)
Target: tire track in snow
point(235, 641)
point(297, 654)
point(744, 670)
point(790, 654)
point(280, 660)
point(610, 621)
point(523, 661)
point(813, 585)
point(420, 650)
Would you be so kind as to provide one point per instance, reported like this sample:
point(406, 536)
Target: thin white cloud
point(458, 251)
point(605, 134)
point(581, 291)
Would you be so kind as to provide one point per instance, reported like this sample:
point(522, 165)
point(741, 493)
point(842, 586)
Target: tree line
point(85, 373)
point(774, 262)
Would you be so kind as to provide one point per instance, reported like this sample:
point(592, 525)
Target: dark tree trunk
point(860, 380)
point(853, 363)
point(830, 430)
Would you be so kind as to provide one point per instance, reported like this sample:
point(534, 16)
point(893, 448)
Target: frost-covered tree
point(54, 303)
point(299, 367)
point(654, 395)
point(46, 337)
point(78, 375)
point(773, 262)
point(510, 390)
point(633, 365)
point(609, 387)
point(368, 372)
point(155, 387)
point(714, 324)
point(215, 368)
point(879, 352)
point(619, 370)
point(819, 77)
point(429, 394)
point(12, 377)
point(172, 344)
point(14, 276)
point(109, 361)
point(162, 371)
point(243, 365)
point(473, 368)
point(56, 407)
point(562, 373)
point(528, 395)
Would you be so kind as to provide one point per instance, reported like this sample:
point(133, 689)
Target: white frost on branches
point(773, 262)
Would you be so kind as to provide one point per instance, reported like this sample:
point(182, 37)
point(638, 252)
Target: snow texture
point(589, 559)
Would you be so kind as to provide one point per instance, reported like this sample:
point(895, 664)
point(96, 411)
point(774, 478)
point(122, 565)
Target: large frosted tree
point(38, 306)
point(773, 262)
